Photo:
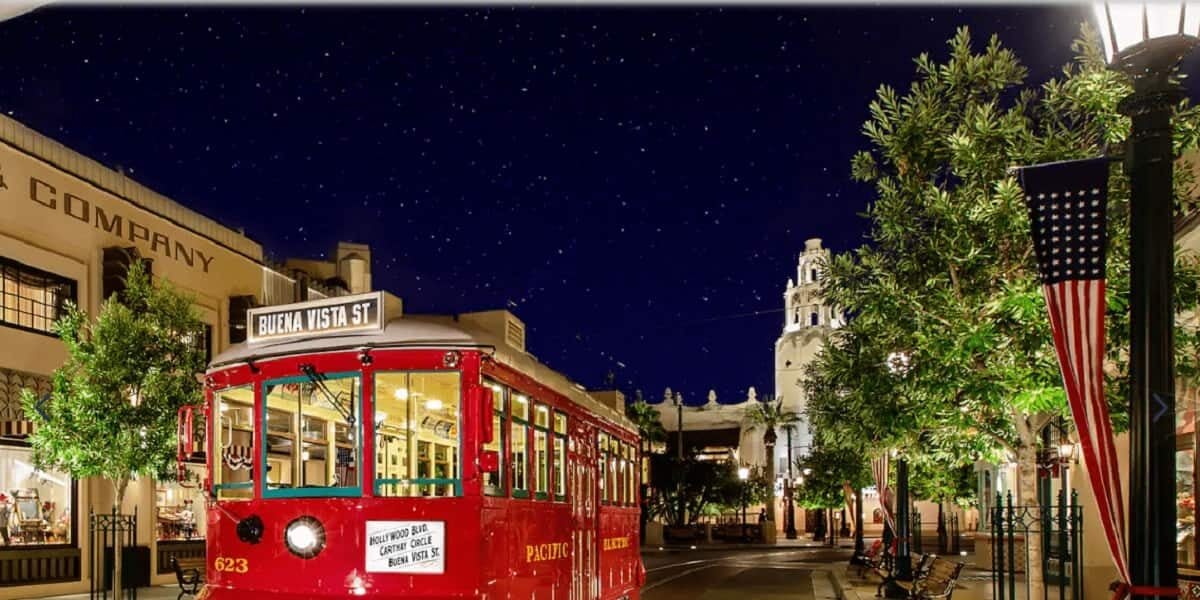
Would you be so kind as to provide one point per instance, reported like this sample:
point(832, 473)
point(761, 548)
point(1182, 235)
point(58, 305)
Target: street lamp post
point(744, 475)
point(903, 571)
point(790, 517)
point(1147, 41)
point(859, 546)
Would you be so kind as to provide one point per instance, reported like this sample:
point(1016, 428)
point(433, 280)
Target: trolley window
point(541, 451)
point(303, 416)
point(630, 477)
point(602, 463)
point(560, 457)
point(417, 433)
point(233, 475)
point(518, 445)
point(493, 483)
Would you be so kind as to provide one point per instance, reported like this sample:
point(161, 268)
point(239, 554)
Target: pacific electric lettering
point(123, 227)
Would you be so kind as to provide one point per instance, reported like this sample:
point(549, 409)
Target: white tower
point(807, 323)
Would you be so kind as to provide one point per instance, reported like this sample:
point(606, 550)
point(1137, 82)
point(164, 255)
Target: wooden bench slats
point(934, 578)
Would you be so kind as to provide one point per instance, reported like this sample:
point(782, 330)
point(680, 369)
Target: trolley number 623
point(231, 565)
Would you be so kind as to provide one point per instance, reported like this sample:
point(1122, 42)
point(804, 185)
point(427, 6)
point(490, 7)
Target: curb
point(841, 585)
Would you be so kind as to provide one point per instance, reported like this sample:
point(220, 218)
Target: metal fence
point(1057, 529)
point(109, 533)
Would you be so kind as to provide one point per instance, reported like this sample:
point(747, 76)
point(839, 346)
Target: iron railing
point(1058, 529)
point(109, 533)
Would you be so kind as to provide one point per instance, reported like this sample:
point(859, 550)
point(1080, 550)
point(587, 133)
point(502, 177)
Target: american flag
point(1067, 204)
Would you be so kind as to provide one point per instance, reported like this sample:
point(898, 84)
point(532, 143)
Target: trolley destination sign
point(345, 314)
point(406, 547)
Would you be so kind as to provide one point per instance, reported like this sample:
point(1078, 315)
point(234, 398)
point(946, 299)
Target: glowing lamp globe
point(1143, 38)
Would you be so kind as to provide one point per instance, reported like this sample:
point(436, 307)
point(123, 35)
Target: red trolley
point(417, 457)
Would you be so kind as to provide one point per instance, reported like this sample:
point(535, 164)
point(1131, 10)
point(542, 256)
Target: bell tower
point(808, 321)
point(804, 307)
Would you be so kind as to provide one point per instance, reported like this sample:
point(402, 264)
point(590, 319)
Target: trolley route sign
point(345, 314)
point(406, 547)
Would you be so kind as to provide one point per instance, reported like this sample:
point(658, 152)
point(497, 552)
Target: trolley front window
point(417, 433)
point(233, 463)
point(311, 440)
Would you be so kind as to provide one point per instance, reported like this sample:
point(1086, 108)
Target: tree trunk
point(119, 487)
point(1027, 496)
point(770, 472)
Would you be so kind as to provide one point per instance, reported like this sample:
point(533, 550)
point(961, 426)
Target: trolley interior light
point(433, 404)
point(305, 537)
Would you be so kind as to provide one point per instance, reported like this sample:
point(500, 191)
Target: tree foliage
point(826, 470)
point(112, 409)
point(768, 416)
point(948, 274)
point(645, 416)
point(705, 487)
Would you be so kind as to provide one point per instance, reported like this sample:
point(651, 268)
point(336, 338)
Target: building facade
point(69, 227)
point(808, 321)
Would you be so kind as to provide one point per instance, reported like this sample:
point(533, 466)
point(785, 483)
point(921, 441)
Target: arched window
point(812, 275)
point(814, 319)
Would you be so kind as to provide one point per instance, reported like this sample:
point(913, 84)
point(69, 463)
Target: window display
point(1185, 482)
point(179, 507)
point(35, 506)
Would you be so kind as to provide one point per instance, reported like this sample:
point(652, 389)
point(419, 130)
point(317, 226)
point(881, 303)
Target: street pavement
point(741, 574)
point(707, 573)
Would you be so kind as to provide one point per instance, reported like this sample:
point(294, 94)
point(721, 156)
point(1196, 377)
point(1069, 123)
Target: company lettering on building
point(26, 184)
point(122, 226)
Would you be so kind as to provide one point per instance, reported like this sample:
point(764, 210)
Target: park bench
point(190, 574)
point(934, 579)
point(870, 558)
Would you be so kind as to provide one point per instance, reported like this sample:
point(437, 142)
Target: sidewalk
point(782, 543)
point(158, 592)
point(973, 584)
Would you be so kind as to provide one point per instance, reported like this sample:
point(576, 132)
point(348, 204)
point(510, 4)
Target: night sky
point(634, 183)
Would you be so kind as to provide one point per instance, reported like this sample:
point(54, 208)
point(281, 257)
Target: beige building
point(68, 229)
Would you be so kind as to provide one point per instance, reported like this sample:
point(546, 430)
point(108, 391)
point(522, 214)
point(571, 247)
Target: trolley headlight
point(305, 537)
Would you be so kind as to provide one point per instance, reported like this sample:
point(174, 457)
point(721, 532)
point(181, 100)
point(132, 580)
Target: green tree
point(650, 431)
point(112, 409)
point(650, 428)
point(769, 416)
point(948, 275)
point(684, 490)
point(826, 471)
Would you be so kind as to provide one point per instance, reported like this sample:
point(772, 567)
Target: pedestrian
point(762, 516)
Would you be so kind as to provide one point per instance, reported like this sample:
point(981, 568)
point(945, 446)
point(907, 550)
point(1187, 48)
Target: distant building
point(808, 321)
point(348, 268)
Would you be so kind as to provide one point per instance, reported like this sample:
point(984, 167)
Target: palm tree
point(769, 415)
point(650, 430)
point(646, 417)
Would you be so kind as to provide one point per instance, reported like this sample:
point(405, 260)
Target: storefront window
point(417, 434)
point(35, 506)
point(179, 507)
point(234, 477)
point(303, 417)
point(1185, 481)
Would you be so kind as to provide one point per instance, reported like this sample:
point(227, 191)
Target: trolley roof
point(423, 331)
